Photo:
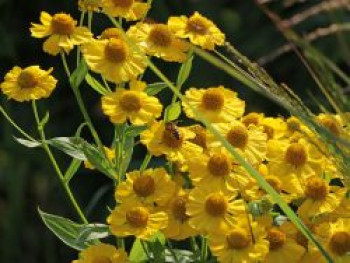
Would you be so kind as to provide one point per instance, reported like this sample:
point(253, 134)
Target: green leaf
point(154, 88)
point(92, 232)
point(134, 130)
point(157, 250)
point(79, 74)
point(27, 143)
point(172, 112)
point(72, 169)
point(128, 149)
point(98, 159)
point(181, 255)
point(95, 84)
point(137, 254)
point(69, 145)
point(184, 72)
point(66, 230)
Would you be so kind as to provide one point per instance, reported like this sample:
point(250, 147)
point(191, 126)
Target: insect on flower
point(172, 128)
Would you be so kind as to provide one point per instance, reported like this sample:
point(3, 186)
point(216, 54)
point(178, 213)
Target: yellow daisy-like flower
point(135, 219)
point(298, 160)
point(178, 227)
point(167, 138)
point(133, 105)
point(212, 167)
point(131, 10)
point(200, 30)
point(200, 138)
point(110, 154)
point(216, 104)
point(112, 32)
point(151, 187)
point(213, 208)
point(335, 236)
point(319, 199)
point(251, 142)
point(275, 128)
point(114, 59)
point(282, 247)
point(238, 245)
point(252, 118)
point(157, 40)
point(89, 5)
point(102, 253)
point(331, 123)
point(62, 31)
point(31, 83)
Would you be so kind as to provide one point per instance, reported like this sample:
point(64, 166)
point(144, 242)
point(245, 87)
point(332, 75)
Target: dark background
point(27, 180)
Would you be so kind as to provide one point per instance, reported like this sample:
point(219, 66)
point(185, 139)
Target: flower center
point(251, 118)
point(101, 259)
point(160, 36)
point(62, 24)
point(269, 131)
point(275, 183)
point(197, 25)
point(340, 243)
point(276, 238)
point(332, 125)
point(130, 102)
point(219, 165)
point(137, 216)
point(238, 136)
point(201, 136)
point(27, 80)
point(213, 99)
point(316, 188)
point(293, 124)
point(116, 51)
point(296, 155)
point(238, 239)
point(179, 208)
point(111, 33)
point(172, 137)
point(89, 5)
point(123, 3)
point(216, 205)
point(144, 186)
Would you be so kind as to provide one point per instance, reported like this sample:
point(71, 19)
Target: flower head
point(131, 10)
point(102, 253)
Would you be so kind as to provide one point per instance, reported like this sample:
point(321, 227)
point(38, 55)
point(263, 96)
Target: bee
point(173, 129)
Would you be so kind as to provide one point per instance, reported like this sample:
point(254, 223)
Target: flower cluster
point(202, 190)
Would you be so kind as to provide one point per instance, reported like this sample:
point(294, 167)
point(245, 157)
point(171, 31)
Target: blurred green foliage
point(26, 178)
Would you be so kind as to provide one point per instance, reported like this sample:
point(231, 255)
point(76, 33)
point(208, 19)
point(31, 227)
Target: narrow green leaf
point(95, 84)
point(158, 251)
point(27, 143)
point(66, 230)
point(172, 112)
point(137, 254)
point(79, 74)
point(184, 71)
point(69, 145)
point(128, 149)
point(135, 130)
point(154, 88)
point(72, 169)
point(92, 232)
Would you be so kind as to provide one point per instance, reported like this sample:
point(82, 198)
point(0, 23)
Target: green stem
point(90, 16)
point(204, 250)
point(172, 252)
point(194, 245)
point(120, 243)
point(55, 165)
point(145, 162)
point(12, 122)
point(144, 247)
point(81, 22)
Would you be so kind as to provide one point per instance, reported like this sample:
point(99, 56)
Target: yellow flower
point(240, 244)
point(319, 199)
point(110, 153)
point(213, 208)
point(331, 123)
point(151, 187)
point(250, 142)
point(178, 227)
point(200, 138)
point(212, 167)
point(31, 83)
point(294, 161)
point(275, 128)
point(112, 32)
point(200, 30)
point(335, 237)
point(170, 140)
point(216, 104)
point(133, 105)
point(62, 31)
point(131, 10)
point(114, 59)
point(102, 253)
point(282, 247)
point(252, 118)
point(134, 219)
point(89, 5)
point(157, 40)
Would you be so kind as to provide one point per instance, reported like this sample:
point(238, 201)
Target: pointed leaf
point(79, 74)
point(27, 143)
point(184, 72)
point(172, 112)
point(154, 88)
point(95, 84)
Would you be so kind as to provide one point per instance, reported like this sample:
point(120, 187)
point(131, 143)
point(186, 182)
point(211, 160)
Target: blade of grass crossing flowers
point(261, 181)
